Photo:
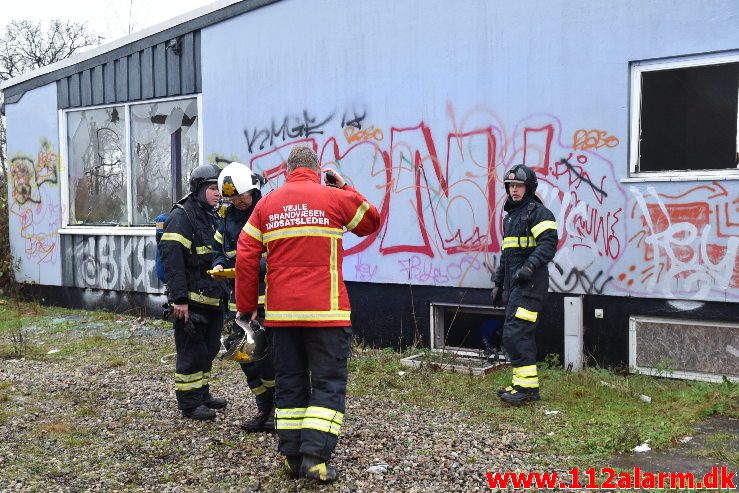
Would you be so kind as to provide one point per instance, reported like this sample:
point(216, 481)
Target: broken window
point(165, 145)
point(106, 186)
point(97, 166)
point(687, 116)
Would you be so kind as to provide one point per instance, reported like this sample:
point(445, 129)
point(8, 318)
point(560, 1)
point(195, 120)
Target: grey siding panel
point(160, 71)
point(98, 92)
point(74, 90)
point(86, 88)
point(62, 93)
point(192, 26)
point(109, 82)
point(147, 74)
point(114, 262)
point(187, 64)
point(198, 80)
point(121, 80)
point(67, 242)
point(134, 77)
point(173, 73)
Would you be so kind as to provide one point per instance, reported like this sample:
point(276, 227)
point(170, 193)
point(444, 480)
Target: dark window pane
point(689, 118)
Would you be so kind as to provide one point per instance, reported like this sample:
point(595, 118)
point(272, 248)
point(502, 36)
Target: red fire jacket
point(300, 225)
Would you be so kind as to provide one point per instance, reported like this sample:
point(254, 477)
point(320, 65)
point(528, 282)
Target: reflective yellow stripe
point(206, 300)
point(525, 314)
point(178, 238)
point(268, 383)
point(334, 272)
point(232, 306)
point(231, 253)
point(188, 386)
point(218, 237)
point(543, 226)
point(290, 413)
point(358, 216)
point(182, 377)
point(321, 425)
point(260, 300)
point(252, 231)
point(525, 371)
point(518, 242)
point(202, 250)
point(321, 470)
point(259, 390)
point(185, 382)
point(306, 316)
point(281, 234)
point(324, 413)
point(288, 424)
point(206, 378)
point(528, 383)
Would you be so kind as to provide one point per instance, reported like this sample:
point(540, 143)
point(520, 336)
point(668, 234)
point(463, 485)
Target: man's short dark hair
point(302, 157)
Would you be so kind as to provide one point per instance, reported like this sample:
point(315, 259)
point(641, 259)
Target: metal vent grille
point(689, 349)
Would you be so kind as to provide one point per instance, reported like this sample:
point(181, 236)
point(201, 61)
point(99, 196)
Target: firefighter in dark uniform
point(301, 225)
point(197, 299)
point(241, 187)
point(522, 278)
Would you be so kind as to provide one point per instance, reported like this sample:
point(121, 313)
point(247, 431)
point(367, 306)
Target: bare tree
point(26, 45)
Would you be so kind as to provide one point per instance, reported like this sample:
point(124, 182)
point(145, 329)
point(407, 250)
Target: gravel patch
point(87, 423)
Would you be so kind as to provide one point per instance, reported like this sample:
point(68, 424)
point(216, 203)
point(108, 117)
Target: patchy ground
point(99, 415)
point(87, 404)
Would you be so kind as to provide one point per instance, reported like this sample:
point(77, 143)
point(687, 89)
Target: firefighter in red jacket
point(300, 226)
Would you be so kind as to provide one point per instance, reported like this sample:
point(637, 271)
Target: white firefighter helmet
point(246, 343)
point(236, 179)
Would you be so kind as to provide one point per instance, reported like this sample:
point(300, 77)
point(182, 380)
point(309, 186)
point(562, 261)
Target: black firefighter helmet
point(520, 173)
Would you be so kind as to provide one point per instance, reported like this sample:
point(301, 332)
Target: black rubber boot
point(502, 390)
point(200, 413)
point(258, 422)
point(519, 396)
point(292, 464)
point(216, 403)
point(316, 469)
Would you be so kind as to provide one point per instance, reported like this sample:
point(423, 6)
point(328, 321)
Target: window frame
point(637, 68)
point(120, 229)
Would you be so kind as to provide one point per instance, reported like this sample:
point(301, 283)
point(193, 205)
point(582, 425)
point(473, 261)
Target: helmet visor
point(515, 175)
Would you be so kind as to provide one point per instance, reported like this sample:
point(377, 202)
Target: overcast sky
point(110, 19)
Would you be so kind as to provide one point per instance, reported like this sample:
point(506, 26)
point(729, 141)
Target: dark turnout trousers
point(311, 373)
point(260, 376)
point(195, 357)
point(519, 335)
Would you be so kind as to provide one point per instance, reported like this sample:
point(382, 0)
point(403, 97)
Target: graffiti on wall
point(439, 190)
point(687, 243)
point(34, 200)
point(124, 263)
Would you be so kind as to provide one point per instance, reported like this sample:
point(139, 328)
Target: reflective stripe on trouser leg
point(519, 336)
point(213, 345)
point(328, 350)
point(262, 389)
point(195, 357)
point(526, 377)
point(292, 387)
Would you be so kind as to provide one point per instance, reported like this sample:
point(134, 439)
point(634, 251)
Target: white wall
point(476, 87)
point(34, 168)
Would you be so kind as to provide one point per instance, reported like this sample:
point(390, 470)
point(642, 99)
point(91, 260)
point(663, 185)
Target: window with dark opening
point(688, 118)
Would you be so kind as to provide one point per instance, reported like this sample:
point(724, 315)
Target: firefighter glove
point(195, 326)
point(497, 295)
point(524, 275)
